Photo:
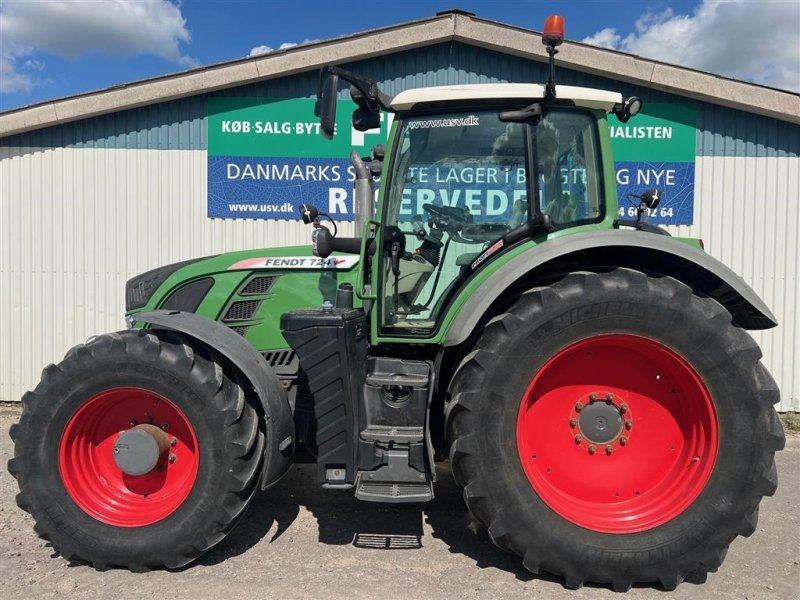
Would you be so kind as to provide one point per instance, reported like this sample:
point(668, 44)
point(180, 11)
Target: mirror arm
point(368, 87)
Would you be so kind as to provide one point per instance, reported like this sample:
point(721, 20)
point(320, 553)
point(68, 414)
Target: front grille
point(240, 329)
point(139, 290)
point(260, 284)
point(241, 310)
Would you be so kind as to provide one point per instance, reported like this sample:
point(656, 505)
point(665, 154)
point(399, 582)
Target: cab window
point(568, 167)
point(460, 182)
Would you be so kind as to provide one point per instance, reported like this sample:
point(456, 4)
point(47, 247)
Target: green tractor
point(589, 379)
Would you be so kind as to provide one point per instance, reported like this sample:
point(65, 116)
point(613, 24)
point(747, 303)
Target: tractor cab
point(474, 175)
point(470, 172)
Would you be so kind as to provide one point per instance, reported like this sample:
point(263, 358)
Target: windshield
point(472, 161)
point(459, 184)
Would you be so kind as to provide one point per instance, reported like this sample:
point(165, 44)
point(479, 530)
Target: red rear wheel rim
point(93, 479)
point(617, 433)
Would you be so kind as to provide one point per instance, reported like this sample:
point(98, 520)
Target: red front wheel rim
point(95, 482)
point(617, 433)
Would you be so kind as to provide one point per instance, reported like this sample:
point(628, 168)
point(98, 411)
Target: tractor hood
point(185, 285)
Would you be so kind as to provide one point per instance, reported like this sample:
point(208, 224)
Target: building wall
point(86, 205)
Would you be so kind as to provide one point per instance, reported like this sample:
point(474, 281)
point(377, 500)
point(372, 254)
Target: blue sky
point(54, 48)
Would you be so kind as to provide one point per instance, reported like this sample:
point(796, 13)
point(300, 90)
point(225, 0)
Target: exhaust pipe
point(363, 192)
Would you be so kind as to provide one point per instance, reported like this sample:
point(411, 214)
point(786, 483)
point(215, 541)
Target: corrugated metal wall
point(747, 212)
point(77, 223)
point(86, 205)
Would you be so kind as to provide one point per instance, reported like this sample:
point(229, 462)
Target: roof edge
point(682, 81)
point(457, 26)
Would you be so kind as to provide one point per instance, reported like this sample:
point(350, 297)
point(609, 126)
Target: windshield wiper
point(532, 114)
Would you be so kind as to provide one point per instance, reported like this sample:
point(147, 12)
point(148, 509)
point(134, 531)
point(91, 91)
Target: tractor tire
point(614, 428)
point(69, 438)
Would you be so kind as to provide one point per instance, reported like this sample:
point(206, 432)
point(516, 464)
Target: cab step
point(383, 491)
point(396, 434)
point(399, 477)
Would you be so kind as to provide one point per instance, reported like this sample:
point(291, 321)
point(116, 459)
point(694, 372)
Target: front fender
point(279, 449)
point(654, 254)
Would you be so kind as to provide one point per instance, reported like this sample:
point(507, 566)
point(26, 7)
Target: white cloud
point(756, 41)
point(284, 46)
point(11, 80)
point(605, 38)
point(73, 28)
point(16, 78)
point(33, 64)
point(260, 50)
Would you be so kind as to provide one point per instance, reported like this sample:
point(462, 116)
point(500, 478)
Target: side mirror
point(325, 107)
point(309, 213)
point(364, 120)
point(366, 116)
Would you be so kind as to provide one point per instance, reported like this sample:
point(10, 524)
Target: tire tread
point(472, 376)
point(243, 432)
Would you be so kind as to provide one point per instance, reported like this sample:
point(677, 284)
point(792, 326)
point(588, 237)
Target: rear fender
point(652, 254)
point(279, 449)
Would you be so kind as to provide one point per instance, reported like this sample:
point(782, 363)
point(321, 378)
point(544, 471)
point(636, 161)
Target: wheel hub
point(600, 422)
point(138, 450)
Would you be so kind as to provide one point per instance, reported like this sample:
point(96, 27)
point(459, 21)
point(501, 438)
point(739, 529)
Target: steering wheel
point(458, 222)
point(459, 215)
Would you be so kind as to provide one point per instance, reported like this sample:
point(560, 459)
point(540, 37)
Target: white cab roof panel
point(585, 97)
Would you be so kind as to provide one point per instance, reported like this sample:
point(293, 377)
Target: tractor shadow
point(450, 522)
point(343, 520)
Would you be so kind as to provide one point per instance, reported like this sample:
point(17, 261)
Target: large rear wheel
point(615, 428)
point(140, 449)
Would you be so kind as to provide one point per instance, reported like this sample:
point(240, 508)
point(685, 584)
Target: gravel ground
point(299, 541)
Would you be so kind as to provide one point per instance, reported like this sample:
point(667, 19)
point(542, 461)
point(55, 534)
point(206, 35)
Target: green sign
point(281, 127)
point(661, 132)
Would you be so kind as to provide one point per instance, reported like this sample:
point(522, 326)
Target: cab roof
point(584, 97)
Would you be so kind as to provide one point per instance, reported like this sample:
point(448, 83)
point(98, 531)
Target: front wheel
point(140, 449)
point(615, 428)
